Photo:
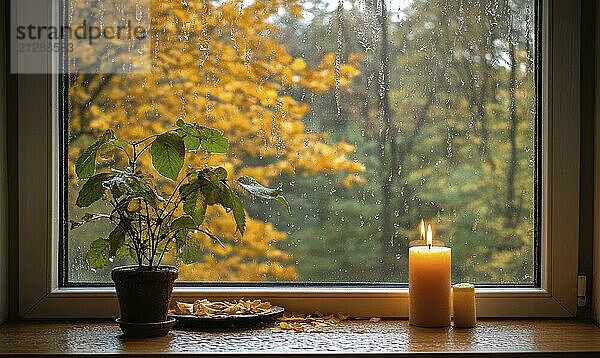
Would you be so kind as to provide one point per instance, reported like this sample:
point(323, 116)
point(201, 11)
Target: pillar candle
point(429, 284)
point(464, 305)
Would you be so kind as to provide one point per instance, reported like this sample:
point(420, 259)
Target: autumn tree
point(217, 63)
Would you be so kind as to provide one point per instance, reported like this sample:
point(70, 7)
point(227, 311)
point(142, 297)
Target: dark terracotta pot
point(144, 295)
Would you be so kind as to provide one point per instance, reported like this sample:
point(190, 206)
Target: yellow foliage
point(214, 64)
point(350, 180)
point(298, 65)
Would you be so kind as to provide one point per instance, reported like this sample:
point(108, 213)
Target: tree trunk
point(510, 213)
point(387, 139)
point(82, 108)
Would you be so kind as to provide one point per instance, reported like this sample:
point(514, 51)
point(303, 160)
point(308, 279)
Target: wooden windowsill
point(387, 336)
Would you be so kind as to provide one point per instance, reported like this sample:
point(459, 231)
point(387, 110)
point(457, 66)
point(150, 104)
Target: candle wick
point(429, 246)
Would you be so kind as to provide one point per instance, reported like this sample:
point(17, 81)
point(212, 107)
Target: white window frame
point(41, 297)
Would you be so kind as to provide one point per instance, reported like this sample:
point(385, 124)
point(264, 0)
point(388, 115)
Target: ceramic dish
point(191, 322)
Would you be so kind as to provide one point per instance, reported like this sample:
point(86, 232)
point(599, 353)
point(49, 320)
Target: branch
point(105, 80)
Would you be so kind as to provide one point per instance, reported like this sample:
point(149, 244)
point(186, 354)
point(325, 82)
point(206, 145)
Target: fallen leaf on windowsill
point(307, 323)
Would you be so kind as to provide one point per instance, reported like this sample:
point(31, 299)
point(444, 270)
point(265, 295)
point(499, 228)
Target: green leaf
point(187, 248)
point(238, 212)
point(85, 165)
point(256, 189)
point(122, 252)
point(188, 128)
point(188, 254)
point(220, 193)
point(98, 254)
point(116, 239)
point(191, 142)
point(190, 134)
point(86, 218)
point(93, 189)
point(213, 141)
point(133, 186)
point(230, 201)
point(106, 150)
point(212, 194)
point(194, 205)
point(195, 136)
point(284, 203)
point(193, 185)
point(181, 123)
point(183, 223)
point(168, 154)
point(214, 174)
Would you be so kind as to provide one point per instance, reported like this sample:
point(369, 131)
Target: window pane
point(370, 114)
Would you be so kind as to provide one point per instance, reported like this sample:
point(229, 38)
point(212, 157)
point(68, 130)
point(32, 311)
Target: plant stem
point(162, 254)
point(152, 233)
point(134, 159)
point(139, 217)
point(136, 143)
point(143, 149)
point(174, 192)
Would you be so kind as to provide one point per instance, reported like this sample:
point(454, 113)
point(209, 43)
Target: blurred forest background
point(372, 114)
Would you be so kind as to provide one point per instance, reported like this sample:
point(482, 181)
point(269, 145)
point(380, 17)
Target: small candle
point(429, 284)
point(464, 305)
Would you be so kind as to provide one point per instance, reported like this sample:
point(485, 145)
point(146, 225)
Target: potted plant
point(148, 223)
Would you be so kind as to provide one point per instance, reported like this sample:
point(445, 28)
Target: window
point(381, 114)
point(372, 115)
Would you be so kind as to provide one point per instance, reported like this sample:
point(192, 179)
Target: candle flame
point(429, 236)
point(422, 229)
